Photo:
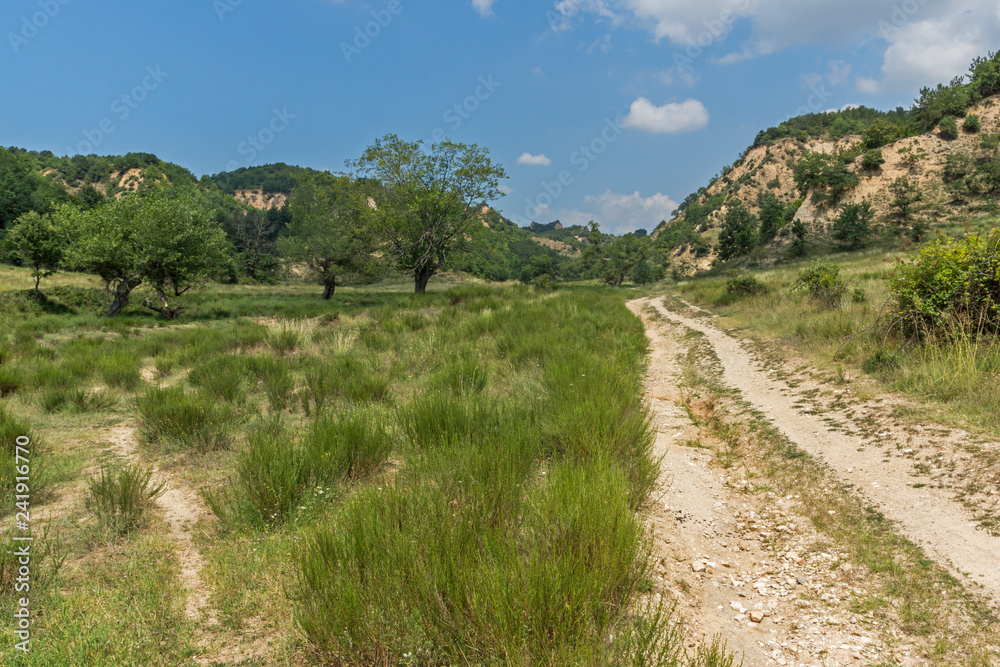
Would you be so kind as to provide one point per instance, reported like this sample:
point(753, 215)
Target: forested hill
point(848, 178)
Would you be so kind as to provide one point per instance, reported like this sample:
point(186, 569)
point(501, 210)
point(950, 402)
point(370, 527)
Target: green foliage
point(972, 124)
point(121, 495)
point(12, 428)
point(880, 133)
point(39, 242)
point(823, 282)
point(172, 416)
point(823, 175)
point(682, 233)
point(853, 225)
point(948, 128)
point(984, 75)
point(269, 178)
point(773, 216)
point(935, 104)
point(426, 201)
point(904, 196)
point(740, 285)
point(949, 281)
point(872, 159)
point(739, 234)
point(839, 124)
point(351, 446)
point(327, 233)
point(171, 242)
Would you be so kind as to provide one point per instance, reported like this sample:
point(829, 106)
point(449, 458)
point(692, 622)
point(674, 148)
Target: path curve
point(929, 517)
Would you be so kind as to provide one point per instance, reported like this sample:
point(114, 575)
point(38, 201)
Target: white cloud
point(624, 213)
point(838, 72)
point(484, 7)
point(686, 116)
point(925, 42)
point(614, 212)
point(534, 160)
point(506, 189)
point(935, 49)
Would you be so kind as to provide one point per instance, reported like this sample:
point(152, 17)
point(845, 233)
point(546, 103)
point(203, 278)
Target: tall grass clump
point(172, 416)
point(269, 482)
point(353, 445)
point(12, 428)
point(226, 377)
point(121, 496)
point(120, 369)
point(289, 335)
point(345, 376)
point(509, 534)
point(275, 375)
point(11, 380)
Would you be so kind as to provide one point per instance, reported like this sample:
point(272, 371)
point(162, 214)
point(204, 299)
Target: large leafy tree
point(327, 233)
point(853, 225)
point(426, 204)
point(739, 235)
point(40, 243)
point(173, 243)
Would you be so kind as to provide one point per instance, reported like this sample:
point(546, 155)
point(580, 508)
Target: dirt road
point(784, 604)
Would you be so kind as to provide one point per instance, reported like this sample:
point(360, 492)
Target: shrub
point(853, 225)
point(11, 380)
point(350, 446)
point(948, 128)
point(739, 234)
point(269, 482)
point(191, 420)
point(276, 377)
point(12, 428)
point(947, 281)
point(859, 296)
point(224, 377)
point(823, 282)
point(121, 495)
point(740, 285)
point(872, 160)
point(120, 369)
point(880, 361)
point(465, 376)
point(972, 124)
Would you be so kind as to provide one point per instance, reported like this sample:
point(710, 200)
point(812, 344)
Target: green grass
point(173, 417)
point(409, 466)
point(121, 496)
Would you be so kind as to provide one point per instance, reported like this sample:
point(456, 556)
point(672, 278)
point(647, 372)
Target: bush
point(972, 124)
point(121, 495)
point(350, 446)
point(740, 285)
point(853, 225)
point(950, 281)
point(948, 128)
point(11, 380)
point(269, 483)
point(823, 282)
point(120, 369)
point(872, 160)
point(880, 361)
point(171, 415)
point(12, 428)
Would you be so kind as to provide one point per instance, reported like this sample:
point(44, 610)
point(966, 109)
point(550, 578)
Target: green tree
point(948, 128)
point(773, 214)
point(40, 243)
point(853, 224)
point(739, 234)
point(904, 196)
point(972, 123)
point(872, 159)
point(799, 231)
point(173, 243)
point(327, 232)
point(16, 187)
point(880, 133)
point(427, 203)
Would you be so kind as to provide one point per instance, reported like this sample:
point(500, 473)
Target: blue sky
point(611, 110)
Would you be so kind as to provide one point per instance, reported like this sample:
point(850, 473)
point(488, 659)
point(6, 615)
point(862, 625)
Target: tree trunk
point(328, 290)
point(420, 279)
point(38, 292)
point(122, 291)
point(167, 312)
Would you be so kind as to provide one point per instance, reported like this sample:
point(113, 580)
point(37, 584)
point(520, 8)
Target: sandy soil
point(724, 555)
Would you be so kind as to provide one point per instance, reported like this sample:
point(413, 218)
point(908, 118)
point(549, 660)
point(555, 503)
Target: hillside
point(914, 168)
